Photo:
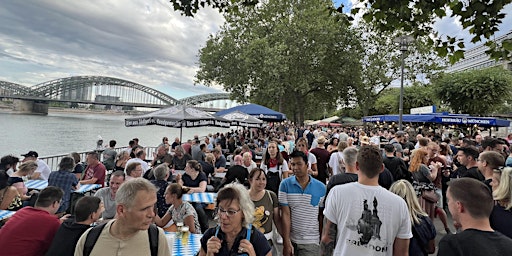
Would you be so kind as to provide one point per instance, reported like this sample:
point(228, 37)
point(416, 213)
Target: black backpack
point(95, 232)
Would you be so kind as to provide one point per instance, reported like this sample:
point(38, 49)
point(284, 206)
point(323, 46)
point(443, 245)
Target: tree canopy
point(480, 18)
point(475, 92)
point(292, 55)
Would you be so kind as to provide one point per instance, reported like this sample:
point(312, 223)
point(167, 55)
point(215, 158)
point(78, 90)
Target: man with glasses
point(30, 230)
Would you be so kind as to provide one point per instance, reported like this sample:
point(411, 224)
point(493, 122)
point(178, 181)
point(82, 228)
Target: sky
point(146, 42)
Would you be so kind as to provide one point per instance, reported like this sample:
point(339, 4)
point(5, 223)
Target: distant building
point(476, 58)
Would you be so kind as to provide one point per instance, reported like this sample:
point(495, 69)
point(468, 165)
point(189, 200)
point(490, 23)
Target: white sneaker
point(279, 240)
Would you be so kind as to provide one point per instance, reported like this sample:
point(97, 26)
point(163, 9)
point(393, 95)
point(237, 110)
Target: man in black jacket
point(87, 211)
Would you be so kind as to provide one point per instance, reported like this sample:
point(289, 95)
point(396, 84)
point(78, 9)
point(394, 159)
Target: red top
point(29, 231)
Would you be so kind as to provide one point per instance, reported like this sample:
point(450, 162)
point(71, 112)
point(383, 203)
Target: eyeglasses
point(229, 213)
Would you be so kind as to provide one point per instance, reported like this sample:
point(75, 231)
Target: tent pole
point(181, 131)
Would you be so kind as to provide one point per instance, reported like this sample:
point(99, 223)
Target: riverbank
point(5, 108)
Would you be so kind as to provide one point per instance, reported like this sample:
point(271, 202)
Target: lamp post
point(403, 41)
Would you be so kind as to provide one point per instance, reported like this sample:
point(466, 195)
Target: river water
point(62, 133)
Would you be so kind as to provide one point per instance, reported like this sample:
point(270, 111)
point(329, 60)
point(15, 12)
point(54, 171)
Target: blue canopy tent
point(441, 118)
point(258, 111)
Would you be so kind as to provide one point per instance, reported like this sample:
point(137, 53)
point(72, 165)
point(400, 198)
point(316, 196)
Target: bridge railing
point(54, 160)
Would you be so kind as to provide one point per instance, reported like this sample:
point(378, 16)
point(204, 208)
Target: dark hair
point(195, 165)
point(3, 179)
point(76, 157)
point(470, 151)
point(94, 154)
point(297, 153)
point(177, 189)
point(86, 206)
point(67, 163)
point(131, 143)
point(256, 170)
point(279, 157)
point(474, 195)
point(369, 160)
point(131, 167)
point(118, 174)
point(139, 153)
point(112, 143)
point(492, 143)
point(389, 148)
point(48, 196)
point(9, 160)
point(202, 146)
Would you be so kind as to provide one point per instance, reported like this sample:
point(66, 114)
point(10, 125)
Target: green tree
point(292, 55)
point(417, 95)
point(381, 65)
point(475, 92)
point(480, 18)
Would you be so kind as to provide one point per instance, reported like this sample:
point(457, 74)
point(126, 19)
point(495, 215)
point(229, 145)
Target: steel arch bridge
point(100, 89)
point(198, 99)
point(8, 88)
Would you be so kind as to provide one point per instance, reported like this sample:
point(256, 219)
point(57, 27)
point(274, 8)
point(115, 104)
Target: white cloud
point(142, 41)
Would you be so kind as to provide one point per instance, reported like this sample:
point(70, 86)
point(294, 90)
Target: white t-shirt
point(282, 168)
point(311, 159)
point(334, 162)
point(369, 218)
point(44, 169)
point(144, 164)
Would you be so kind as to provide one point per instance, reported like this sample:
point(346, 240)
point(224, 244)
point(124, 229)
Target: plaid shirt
point(64, 180)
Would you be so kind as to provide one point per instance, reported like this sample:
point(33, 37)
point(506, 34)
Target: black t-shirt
point(472, 172)
point(396, 166)
point(340, 179)
point(208, 168)
point(258, 241)
point(237, 172)
point(189, 182)
point(386, 179)
point(501, 220)
point(475, 242)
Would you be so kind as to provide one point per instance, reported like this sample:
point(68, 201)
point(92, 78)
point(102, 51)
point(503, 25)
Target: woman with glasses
point(180, 211)
point(234, 234)
point(266, 213)
point(501, 216)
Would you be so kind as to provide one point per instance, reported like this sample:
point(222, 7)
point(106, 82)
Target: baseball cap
point(31, 154)
point(365, 140)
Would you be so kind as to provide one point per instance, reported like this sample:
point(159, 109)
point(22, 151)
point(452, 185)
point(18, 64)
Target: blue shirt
point(303, 205)
point(66, 181)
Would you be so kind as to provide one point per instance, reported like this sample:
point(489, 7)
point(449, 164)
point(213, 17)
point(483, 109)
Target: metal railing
point(53, 161)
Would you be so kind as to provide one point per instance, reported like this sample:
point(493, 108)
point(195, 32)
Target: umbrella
point(178, 117)
point(258, 111)
point(238, 118)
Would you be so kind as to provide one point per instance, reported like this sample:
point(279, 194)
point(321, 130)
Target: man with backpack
point(133, 231)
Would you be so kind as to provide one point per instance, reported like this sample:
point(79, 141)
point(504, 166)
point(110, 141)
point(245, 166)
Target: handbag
point(430, 196)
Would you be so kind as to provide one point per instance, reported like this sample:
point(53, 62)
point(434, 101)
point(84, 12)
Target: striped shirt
point(303, 205)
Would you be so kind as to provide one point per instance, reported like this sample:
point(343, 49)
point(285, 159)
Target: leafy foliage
point(476, 92)
point(381, 65)
point(292, 55)
point(480, 18)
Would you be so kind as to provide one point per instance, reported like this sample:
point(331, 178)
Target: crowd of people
point(340, 191)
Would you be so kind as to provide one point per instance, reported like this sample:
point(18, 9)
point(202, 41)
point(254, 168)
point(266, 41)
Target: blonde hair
point(404, 189)
point(27, 166)
point(504, 191)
